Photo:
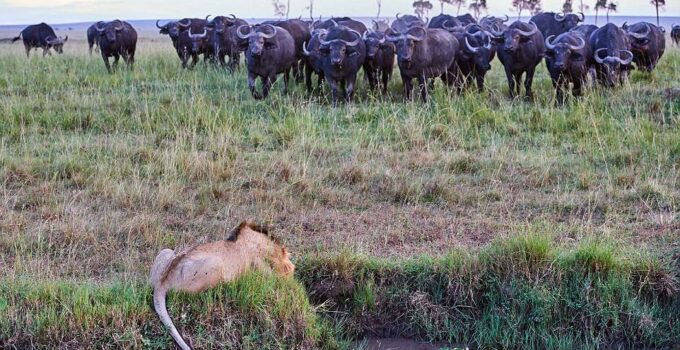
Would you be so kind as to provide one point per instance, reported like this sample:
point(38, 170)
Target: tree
point(458, 4)
point(567, 7)
point(442, 2)
point(279, 8)
point(583, 7)
point(599, 5)
point(611, 7)
point(422, 8)
point(379, 8)
point(477, 6)
point(533, 6)
point(311, 9)
point(657, 4)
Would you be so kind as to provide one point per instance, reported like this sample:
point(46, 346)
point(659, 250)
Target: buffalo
point(117, 38)
point(343, 53)
point(550, 23)
point(675, 34)
point(270, 51)
point(611, 51)
point(491, 22)
point(648, 44)
point(567, 57)
point(380, 25)
point(301, 34)
point(521, 51)
point(313, 58)
point(403, 23)
point(585, 29)
point(174, 29)
point(476, 54)
point(92, 37)
point(191, 45)
point(225, 42)
point(423, 54)
point(41, 36)
point(328, 24)
point(379, 61)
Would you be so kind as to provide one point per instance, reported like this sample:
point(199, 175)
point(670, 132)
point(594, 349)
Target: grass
point(471, 219)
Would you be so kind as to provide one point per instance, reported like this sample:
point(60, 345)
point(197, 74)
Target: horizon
point(22, 12)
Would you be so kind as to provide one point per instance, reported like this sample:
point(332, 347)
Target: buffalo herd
point(456, 49)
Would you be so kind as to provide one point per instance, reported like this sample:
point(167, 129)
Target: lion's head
point(278, 256)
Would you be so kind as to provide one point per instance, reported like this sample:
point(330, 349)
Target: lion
point(198, 268)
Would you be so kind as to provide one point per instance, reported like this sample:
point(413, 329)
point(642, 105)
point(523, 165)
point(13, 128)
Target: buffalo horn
point(529, 33)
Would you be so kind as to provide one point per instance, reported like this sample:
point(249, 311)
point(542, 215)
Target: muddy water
point(401, 344)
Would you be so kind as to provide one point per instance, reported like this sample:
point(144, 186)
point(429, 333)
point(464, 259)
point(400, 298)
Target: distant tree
point(533, 6)
point(422, 8)
point(599, 5)
point(379, 2)
point(477, 6)
point(310, 7)
point(657, 4)
point(441, 4)
point(583, 7)
point(611, 7)
point(458, 4)
point(279, 8)
point(567, 7)
point(288, 10)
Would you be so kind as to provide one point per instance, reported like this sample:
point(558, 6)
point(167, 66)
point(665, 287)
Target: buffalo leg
point(528, 83)
point(578, 87)
point(386, 75)
point(480, 82)
point(286, 78)
point(252, 85)
point(116, 58)
point(351, 81)
point(518, 83)
point(308, 78)
point(106, 63)
point(46, 51)
point(408, 87)
point(511, 83)
point(334, 91)
point(371, 77)
point(423, 86)
point(28, 50)
point(267, 84)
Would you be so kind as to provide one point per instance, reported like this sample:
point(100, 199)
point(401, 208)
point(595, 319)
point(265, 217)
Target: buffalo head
point(513, 37)
point(406, 42)
point(58, 43)
point(569, 20)
point(110, 31)
point(221, 23)
point(174, 28)
point(259, 38)
point(562, 54)
point(639, 34)
point(614, 62)
point(374, 42)
point(478, 46)
point(339, 49)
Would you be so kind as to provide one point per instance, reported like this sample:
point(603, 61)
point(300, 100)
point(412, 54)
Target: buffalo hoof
point(257, 96)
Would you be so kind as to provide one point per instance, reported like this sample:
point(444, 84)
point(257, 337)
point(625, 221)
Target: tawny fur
point(204, 266)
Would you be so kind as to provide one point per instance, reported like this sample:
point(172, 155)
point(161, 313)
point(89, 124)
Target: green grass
point(470, 219)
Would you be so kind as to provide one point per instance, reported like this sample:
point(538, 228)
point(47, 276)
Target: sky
point(69, 11)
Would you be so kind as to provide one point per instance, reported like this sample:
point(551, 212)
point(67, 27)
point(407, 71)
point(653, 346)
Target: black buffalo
point(423, 54)
point(675, 34)
point(521, 51)
point(41, 36)
point(93, 37)
point(117, 38)
point(343, 21)
point(313, 59)
point(475, 56)
point(225, 42)
point(611, 51)
point(379, 62)
point(191, 45)
point(648, 44)
point(343, 53)
point(495, 23)
point(174, 29)
point(270, 51)
point(301, 35)
point(403, 23)
point(585, 29)
point(551, 23)
point(567, 57)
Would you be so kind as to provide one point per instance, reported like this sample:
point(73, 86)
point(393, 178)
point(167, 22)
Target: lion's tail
point(159, 295)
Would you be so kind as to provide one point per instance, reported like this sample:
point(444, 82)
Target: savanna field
point(471, 220)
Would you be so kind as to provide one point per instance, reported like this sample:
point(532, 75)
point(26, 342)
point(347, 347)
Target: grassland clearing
point(462, 207)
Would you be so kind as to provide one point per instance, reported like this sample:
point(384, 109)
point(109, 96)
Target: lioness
point(248, 246)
